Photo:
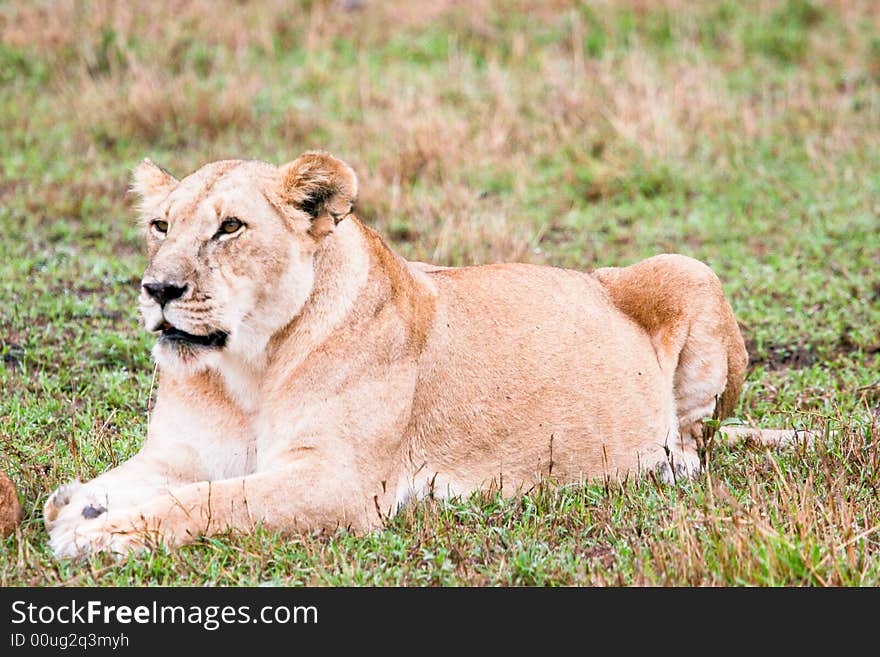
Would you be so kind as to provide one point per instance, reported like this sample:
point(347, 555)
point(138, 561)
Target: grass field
point(746, 134)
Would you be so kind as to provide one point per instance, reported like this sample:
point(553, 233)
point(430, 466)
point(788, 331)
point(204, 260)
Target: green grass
point(576, 137)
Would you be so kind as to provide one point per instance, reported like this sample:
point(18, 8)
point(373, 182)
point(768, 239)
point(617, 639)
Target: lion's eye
point(160, 226)
point(230, 225)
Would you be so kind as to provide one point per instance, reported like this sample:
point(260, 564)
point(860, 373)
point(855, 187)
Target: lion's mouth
point(170, 333)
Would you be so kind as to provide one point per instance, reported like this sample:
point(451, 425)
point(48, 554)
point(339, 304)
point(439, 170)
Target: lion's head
point(231, 250)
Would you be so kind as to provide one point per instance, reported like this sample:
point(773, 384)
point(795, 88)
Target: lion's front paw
point(58, 501)
point(72, 505)
point(99, 535)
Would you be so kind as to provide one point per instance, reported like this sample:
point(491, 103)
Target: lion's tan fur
point(354, 382)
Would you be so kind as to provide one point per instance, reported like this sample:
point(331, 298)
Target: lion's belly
point(534, 373)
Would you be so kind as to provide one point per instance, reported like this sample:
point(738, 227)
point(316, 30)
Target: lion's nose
point(164, 292)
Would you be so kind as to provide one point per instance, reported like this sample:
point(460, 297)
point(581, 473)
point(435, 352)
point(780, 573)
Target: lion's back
point(523, 356)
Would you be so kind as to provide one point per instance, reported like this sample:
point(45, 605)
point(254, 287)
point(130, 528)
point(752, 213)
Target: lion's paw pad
point(93, 511)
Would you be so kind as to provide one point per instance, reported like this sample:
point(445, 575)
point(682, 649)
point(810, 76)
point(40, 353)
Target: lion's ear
point(321, 186)
point(151, 182)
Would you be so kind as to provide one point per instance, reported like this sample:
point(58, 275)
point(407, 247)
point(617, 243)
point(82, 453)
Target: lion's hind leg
point(679, 301)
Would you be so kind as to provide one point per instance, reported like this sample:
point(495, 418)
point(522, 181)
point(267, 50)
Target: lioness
point(312, 379)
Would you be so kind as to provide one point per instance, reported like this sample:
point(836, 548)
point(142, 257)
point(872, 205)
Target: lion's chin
point(185, 357)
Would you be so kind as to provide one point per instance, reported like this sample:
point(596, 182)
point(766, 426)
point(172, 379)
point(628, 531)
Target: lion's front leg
point(75, 506)
point(288, 499)
point(193, 436)
point(131, 483)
